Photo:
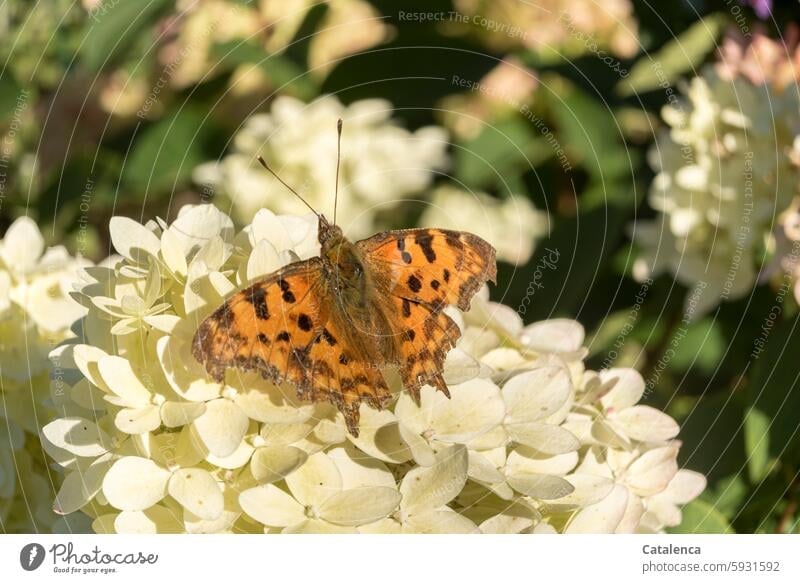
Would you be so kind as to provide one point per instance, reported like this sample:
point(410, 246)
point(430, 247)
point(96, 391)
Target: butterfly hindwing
point(432, 266)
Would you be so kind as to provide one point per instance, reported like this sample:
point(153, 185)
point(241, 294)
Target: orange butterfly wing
point(421, 271)
point(432, 266)
point(281, 327)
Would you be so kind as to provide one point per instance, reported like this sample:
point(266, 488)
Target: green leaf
point(284, 74)
point(774, 390)
point(115, 29)
point(700, 517)
point(587, 129)
point(165, 153)
point(504, 149)
point(756, 444)
point(11, 95)
point(683, 54)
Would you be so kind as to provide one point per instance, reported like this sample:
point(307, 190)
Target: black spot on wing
point(257, 296)
point(414, 283)
point(425, 242)
point(283, 336)
point(304, 322)
point(406, 308)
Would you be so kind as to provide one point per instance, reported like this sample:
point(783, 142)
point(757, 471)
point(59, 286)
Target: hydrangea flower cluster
point(36, 313)
point(382, 163)
point(529, 442)
point(726, 172)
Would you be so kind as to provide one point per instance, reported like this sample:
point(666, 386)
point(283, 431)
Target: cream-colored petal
point(602, 517)
point(359, 506)
point(222, 427)
point(645, 423)
point(315, 481)
point(133, 240)
point(137, 421)
point(428, 488)
point(540, 486)
point(652, 472)
point(547, 439)
point(625, 387)
point(379, 436)
point(78, 436)
point(135, 483)
point(274, 462)
point(270, 505)
point(441, 521)
point(155, 520)
point(179, 413)
point(197, 491)
point(536, 394)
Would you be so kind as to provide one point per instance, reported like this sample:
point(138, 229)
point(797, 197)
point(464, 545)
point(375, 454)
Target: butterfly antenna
point(338, 161)
point(292, 190)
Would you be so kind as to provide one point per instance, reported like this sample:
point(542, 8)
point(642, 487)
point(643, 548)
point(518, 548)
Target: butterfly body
point(330, 324)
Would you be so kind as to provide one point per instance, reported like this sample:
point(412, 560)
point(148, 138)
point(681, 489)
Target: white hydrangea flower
point(382, 163)
point(725, 171)
point(529, 442)
point(36, 313)
point(511, 225)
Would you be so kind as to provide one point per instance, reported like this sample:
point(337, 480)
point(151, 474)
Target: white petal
point(222, 427)
point(428, 488)
point(506, 524)
point(473, 408)
point(685, 486)
point(315, 481)
point(263, 260)
point(155, 520)
point(646, 423)
point(603, 517)
point(78, 436)
point(236, 460)
point(359, 469)
point(270, 505)
point(442, 521)
point(274, 462)
point(537, 394)
point(547, 439)
point(652, 472)
point(589, 489)
point(79, 487)
point(360, 505)
point(625, 388)
point(267, 402)
point(379, 436)
point(179, 413)
point(120, 378)
point(137, 421)
point(133, 240)
point(541, 486)
point(318, 527)
point(22, 245)
point(459, 367)
point(523, 459)
point(185, 375)
point(482, 470)
point(172, 253)
point(420, 449)
point(197, 491)
point(558, 335)
point(135, 483)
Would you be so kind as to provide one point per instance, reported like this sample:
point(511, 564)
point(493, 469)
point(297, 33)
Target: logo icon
point(31, 556)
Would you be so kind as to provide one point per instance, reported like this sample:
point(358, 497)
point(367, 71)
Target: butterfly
point(330, 325)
